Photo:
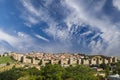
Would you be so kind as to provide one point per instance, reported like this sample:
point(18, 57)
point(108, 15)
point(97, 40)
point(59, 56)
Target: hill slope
point(5, 59)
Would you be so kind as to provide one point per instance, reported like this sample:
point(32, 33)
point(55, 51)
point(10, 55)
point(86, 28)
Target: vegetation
point(106, 68)
point(49, 72)
point(117, 68)
point(79, 73)
point(5, 59)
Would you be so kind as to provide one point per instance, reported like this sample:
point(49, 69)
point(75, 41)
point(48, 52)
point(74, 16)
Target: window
point(94, 59)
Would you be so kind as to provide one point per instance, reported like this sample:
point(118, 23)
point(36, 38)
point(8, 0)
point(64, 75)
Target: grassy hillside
point(5, 59)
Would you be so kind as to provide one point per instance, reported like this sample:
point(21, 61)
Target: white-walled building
point(114, 77)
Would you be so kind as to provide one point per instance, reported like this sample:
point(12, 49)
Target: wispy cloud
point(30, 7)
point(81, 13)
point(116, 4)
point(37, 14)
point(20, 42)
point(8, 38)
point(41, 37)
point(34, 14)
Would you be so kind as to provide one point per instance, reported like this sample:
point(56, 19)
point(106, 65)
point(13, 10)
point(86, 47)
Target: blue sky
point(81, 26)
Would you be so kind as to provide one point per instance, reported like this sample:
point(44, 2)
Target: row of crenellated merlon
point(69, 59)
point(3, 55)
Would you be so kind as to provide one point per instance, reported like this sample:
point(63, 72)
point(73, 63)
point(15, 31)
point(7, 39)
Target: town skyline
point(100, 66)
point(35, 52)
point(64, 59)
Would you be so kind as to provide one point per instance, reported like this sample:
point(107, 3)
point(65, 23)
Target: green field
point(5, 59)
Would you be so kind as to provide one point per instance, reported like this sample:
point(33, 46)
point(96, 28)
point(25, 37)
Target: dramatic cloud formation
point(65, 26)
point(80, 13)
point(110, 32)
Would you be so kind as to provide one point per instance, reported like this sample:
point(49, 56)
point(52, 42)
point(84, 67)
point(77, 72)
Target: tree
point(79, 73)
point(49, 72)
point(117, 68)
point(8, 63)
point(106, 68)
point(52, 72)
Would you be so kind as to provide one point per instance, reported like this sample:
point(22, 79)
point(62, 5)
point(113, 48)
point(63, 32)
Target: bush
point(50, 72)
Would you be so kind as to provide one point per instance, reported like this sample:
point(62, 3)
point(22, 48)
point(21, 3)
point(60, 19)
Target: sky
point(56, 26)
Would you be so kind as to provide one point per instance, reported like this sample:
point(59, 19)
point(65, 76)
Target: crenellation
point(79, 62)
point(85, 61)
point(114, 59)
point(63, 59)
point(105, 61)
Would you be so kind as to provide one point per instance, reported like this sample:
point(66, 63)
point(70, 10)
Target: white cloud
point(116, 3)
point(52, 31)
point(41, 37)
point(19, 42)
point(35, 15)
point(95, 35)
point(114, 44)
point(30, 7)
point(8, 38)
point(97, 47)
point(86, 33)
point(23, 42)
point(21, 34)
point(30, 13)
point(79, 14)
point(32, 20)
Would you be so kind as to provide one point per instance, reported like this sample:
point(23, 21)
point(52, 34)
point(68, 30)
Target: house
point(114, 77)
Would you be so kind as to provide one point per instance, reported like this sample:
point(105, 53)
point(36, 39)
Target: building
point(63, 59)
point(114, 77)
